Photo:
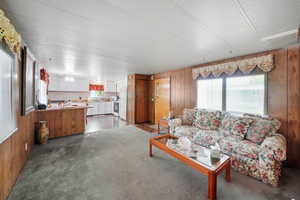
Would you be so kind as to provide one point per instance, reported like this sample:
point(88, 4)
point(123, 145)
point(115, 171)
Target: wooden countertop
point(65, 108)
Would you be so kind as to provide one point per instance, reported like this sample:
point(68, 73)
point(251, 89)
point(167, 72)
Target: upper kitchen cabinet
point(110, 86)
point(68, 84)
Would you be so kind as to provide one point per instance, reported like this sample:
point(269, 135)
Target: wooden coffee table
point(210, 170)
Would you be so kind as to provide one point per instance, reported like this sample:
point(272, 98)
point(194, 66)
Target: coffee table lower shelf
point(160, 141)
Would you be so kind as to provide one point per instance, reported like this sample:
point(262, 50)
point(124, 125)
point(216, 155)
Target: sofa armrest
point(173, 123)
point(274, 147)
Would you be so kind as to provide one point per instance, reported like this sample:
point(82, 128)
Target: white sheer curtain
point(209, 94)
point(246, 94)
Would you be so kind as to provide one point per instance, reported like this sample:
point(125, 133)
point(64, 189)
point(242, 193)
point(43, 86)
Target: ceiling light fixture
point(282, 34)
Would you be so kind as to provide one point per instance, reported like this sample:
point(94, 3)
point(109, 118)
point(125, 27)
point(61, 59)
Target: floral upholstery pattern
point(207, 120)
point(274, 147)
point(228, 144)
point(261, 160)
point(246, 166)
point(188, 116)
point(248, 149)
point(206, 137)
point(187, 131)
point(236, 126)
point(261, 128)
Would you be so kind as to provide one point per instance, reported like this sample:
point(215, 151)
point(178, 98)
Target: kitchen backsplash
point(54, 96)
point(58, 96)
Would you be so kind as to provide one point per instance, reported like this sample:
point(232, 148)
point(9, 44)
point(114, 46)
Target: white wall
point(71, 83)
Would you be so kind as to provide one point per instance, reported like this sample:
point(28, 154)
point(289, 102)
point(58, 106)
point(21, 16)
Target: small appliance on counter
point(42, 106)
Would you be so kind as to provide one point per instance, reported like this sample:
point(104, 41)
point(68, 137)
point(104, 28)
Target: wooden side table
point(163, 124)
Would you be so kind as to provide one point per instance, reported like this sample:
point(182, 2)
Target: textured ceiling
point(106, 39)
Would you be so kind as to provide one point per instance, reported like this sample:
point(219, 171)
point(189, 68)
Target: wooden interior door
point(151, 98)
point(162, 98)
point(141, 101)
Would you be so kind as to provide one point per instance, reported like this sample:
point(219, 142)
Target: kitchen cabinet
point(108, 107)
point(93, 110)
point(100, 108)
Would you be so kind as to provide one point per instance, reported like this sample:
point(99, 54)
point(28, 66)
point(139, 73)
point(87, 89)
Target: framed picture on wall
point(28, 81)
point(8, 92)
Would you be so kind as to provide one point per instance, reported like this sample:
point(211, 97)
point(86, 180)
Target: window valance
point(9, 34)
point(264, 63)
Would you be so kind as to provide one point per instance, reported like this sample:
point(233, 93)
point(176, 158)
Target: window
point(210, 94)
point(234, 94)
point(246, 94)
point(95, 93)
point(96, 90)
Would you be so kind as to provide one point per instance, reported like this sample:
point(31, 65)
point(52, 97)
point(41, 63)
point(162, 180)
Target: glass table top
point(197, 153)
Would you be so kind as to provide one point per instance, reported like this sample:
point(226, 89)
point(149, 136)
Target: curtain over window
point(246, 66)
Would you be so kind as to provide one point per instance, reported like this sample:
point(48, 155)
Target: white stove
point(116, 108)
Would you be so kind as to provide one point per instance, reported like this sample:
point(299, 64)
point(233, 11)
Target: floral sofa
point(255, 147)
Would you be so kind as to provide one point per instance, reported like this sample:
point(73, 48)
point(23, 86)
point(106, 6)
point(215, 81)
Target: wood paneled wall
point(182, 89)
point(293, 105)
point(131, 99)
point(13, 155)
point(283, 93)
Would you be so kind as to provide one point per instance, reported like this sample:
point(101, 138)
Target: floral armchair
point(252, 142)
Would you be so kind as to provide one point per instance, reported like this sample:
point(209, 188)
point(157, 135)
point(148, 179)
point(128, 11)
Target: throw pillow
point(207, 120)
point(235, 126)
point(188, 116)
point(261, 128)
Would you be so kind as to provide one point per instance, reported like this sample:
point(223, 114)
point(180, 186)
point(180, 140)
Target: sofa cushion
point(248, 149)
point(207, 120)
point(235, 126)
point(188, 116)
point(228, 144)
point(188, 131)
point(206, 137)
point(262, 127)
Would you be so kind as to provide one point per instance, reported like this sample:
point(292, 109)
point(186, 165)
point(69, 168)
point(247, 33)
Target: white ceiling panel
point(273, 16)
point(107, 39)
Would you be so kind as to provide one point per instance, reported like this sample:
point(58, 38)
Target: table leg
point(228, 173)
point(158, 128)
point(150, 149)
point(212, 186)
